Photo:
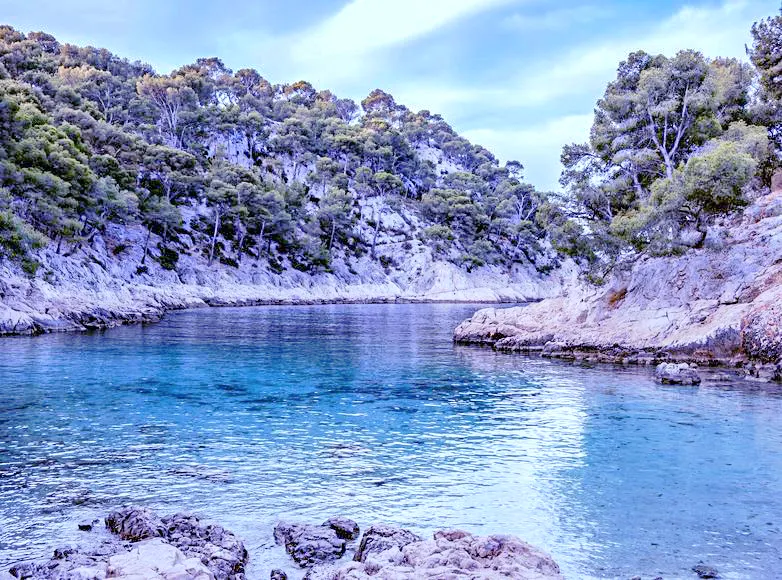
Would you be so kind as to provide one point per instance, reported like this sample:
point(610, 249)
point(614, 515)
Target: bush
point(438, 238)
point(168, 258)
point(387, 262)
point(30, 266)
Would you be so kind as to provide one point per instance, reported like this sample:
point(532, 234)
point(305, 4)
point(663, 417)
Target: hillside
point(124, 192)
point(716, 305)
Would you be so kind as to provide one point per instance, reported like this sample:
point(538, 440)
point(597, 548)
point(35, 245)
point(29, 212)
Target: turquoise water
point(369, 411)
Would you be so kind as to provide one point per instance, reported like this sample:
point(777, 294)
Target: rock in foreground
point(147, 546)
point(450, 554)
point(379, 538)
point(313, 545)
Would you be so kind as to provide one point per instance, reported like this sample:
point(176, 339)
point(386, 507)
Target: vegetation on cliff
point(675, 142)
point(228, 165)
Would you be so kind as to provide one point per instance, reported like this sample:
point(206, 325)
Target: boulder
point(450, 554)
point(346, 529)
point(309, 545)
point(88, 525)
point(705, 571)
point(173, 548)
point(155, 559)
point(135, 523)
point(379, 538)
point(219, 549)
point(677, 374)
point(278, 575)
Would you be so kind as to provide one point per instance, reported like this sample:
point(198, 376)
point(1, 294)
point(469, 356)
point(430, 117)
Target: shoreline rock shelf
point(716, 306)
point(389, 553)
point(143, 545)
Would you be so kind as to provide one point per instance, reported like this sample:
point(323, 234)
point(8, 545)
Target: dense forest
point(282, 173)
point(230, 166)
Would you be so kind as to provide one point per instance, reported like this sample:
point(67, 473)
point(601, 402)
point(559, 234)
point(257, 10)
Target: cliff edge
point(719, 305)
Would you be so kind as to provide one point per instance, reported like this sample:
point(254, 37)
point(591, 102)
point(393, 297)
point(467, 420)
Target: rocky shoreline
point(93, 288)
point(142, 545)
point(717, 306)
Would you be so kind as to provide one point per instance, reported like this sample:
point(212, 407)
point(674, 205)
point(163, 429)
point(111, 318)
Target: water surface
point(368, 411)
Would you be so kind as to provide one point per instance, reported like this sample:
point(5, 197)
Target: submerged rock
point(309, 545)
point(87, 525)
point(705, 571)
point(677, 374)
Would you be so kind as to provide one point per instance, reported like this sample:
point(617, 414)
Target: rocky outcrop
point(677, 374)
point(380, 538)
point(134, 524)
point(219, 549)
point(705, 571)
point(450, 554)
point(147, 546)
point(313, 545)
point(716, 305)
point(105, 284)
point(346, 529)
point(152, 559)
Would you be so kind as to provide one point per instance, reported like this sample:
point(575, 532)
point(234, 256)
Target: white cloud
point(363, 26)
point(341, 47)
point(537, 147)
point(720, 31)
point(557, 19)
point(575, 80)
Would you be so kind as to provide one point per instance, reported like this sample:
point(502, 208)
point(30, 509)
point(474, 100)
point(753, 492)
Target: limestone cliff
point(101, 284)
point(719, 304)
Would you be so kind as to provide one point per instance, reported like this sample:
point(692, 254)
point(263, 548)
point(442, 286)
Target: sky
point(520, 77)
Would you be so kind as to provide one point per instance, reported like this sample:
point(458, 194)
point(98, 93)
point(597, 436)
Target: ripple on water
point(249, 415)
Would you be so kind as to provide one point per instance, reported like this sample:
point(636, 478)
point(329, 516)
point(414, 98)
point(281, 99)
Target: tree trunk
point(668, 164)
point(260, 241)
point(214, 238)
point(701, 228)
point(333, 229)
point(146, 245)
point(239, 250)
point(374, 238)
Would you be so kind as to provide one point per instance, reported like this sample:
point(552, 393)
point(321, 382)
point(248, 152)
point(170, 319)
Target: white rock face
point(102, 285)
point(450, 554)
point(154, 559)
point(677, 374)
point(722, 302)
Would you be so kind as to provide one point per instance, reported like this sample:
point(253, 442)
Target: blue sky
point(518, 76)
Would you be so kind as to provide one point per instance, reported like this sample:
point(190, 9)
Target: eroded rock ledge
point(143, 545)
point(721, 305)
point(389, 553)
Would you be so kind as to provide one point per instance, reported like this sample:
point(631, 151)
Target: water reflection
point(252, 414)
